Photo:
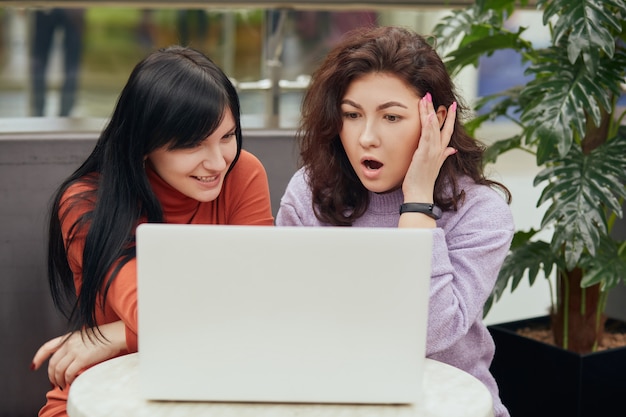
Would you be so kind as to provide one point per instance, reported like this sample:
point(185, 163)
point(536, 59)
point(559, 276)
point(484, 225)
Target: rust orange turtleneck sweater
point(244, 199)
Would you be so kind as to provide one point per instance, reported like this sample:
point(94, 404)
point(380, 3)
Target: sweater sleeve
point(465, 264)
point(122, 300)
point(247, 193)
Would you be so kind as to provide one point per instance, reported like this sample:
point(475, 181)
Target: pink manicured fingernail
point(453, 106)
point(429, 97)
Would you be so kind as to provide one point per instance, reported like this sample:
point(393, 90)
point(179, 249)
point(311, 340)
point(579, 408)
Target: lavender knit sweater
point(469, 246)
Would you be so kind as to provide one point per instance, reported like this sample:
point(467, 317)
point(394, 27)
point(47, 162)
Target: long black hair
point(175, 97)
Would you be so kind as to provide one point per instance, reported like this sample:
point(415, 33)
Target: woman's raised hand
point(431, 152)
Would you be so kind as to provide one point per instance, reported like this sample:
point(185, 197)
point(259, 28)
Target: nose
point(213, 158)
point(369, 135)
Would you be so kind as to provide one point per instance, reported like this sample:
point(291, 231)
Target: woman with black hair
point(171, 153)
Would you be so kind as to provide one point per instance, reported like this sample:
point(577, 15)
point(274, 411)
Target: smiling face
point(381, 129)
point(198, 172)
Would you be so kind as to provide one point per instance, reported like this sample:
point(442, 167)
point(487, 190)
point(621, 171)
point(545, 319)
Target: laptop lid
point(282, 314)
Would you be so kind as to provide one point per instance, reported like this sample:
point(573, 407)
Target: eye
point(392, 118)
point(350, 115)
point(188, 146)
point(229, 136)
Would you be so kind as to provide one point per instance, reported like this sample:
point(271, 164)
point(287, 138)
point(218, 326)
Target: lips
point(206, 179)
point(371, 168)
point(371, 164)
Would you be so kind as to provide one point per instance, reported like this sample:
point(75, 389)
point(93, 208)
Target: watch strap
point(428, 209)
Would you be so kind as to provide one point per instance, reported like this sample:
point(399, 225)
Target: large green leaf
point(476, 46)
point(503, 104)
point(472, 125)
point(586, 27)
point(469, 23)
point(608, 268)
point(454, 26)
point(561, 98)
point(499, 147)
point(525, 256)
point(582, 189)
point(506, 6)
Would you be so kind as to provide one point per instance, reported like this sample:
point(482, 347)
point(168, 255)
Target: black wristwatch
point(427, 208)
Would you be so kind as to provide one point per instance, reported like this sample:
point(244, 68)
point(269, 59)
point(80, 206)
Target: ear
point(441, 115)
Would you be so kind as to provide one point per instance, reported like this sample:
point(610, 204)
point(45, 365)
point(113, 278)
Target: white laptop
point(282, 314)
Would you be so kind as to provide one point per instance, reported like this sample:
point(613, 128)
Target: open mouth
point(371, 164)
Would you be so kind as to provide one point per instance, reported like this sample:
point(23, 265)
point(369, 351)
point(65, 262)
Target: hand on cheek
point(431, 152)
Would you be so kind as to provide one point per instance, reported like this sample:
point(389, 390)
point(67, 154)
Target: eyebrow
point(232, 129)
point(380, 107)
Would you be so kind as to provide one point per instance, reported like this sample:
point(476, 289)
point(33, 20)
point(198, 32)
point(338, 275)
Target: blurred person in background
point(46, 23)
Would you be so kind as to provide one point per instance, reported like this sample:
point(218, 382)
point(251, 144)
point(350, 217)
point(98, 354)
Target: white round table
point(111, 389)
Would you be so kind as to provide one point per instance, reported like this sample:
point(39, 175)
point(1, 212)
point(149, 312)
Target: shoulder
point(248, 162)
point(476, 193)
point(78, 199)
point(245, 195)
point(248, 168)
point(483, 205)
point(299, 179)
point(298, 186)
point(84, 184)
point(83, 189)
point(296, 208)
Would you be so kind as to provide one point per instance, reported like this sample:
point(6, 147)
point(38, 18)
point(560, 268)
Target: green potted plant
point(567, 115)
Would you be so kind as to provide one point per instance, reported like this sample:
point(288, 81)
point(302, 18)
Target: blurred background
point(73, 61)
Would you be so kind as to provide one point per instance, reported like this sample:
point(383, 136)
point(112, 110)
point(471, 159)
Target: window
point(72, 62)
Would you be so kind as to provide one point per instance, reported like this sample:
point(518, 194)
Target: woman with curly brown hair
point(381, 146)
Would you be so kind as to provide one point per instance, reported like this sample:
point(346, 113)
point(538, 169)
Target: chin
point(379, 187)
point(375, 188)
point(208, 199)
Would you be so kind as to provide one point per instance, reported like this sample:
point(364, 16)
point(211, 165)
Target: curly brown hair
point(339, 198)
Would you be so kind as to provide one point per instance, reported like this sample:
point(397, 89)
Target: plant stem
point(599, 310)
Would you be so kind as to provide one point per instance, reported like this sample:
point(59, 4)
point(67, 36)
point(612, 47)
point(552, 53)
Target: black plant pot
point(537, 379)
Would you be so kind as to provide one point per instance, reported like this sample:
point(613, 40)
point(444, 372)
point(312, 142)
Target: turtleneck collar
point(177, 207)
point(386, 203)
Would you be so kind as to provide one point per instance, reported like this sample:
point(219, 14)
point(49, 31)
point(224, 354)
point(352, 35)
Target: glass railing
point(71, 61)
